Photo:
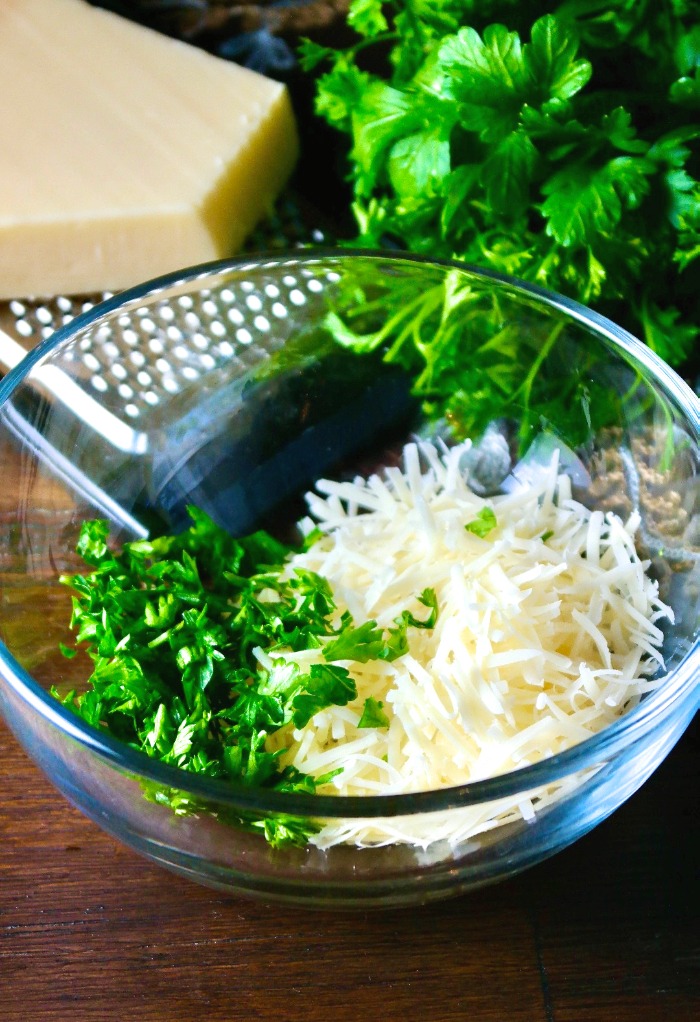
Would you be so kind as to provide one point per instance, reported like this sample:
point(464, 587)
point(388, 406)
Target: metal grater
point(125, 378)
point(176, 396)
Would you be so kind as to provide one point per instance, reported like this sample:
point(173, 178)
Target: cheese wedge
point(126, 154)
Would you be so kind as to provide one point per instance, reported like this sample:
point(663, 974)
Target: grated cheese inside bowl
point(547, 630)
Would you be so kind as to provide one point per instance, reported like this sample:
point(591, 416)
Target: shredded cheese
point(546, 632)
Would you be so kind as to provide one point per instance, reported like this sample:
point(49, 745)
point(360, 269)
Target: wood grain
point(607, 930)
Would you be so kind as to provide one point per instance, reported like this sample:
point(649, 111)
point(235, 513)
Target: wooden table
point(607, 931)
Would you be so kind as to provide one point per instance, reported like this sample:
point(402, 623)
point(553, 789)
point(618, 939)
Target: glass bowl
point(229, 387)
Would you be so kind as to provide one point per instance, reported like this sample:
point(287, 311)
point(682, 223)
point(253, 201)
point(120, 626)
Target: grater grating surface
point(133, 366)
point(218, 386)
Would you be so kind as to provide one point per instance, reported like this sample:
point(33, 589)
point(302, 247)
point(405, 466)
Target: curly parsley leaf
point(367, 17)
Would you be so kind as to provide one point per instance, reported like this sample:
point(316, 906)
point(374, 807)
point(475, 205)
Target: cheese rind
point(127, 154)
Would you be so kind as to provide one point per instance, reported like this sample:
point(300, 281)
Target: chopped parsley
point(178, 629)
point(484, 523)
point(373, 714)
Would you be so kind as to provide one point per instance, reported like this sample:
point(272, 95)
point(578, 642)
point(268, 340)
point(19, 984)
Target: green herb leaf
point(362, 643)
point(92, 542)
point(373, 714)
point(484, 523)
point(325, 685)
point(366, 17)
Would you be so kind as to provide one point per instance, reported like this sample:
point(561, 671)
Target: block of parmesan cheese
point(126, 154)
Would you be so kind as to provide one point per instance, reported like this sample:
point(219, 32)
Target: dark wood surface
point(607, 930)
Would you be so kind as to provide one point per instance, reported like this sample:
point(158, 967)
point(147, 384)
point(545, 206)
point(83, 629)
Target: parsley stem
point(526, 387)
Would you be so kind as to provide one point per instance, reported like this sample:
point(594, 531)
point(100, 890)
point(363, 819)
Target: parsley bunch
point(557, 143)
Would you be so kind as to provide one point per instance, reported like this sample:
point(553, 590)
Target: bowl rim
point(674, 689)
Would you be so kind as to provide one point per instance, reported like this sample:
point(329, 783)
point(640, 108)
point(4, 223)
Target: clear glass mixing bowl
point(224, 386)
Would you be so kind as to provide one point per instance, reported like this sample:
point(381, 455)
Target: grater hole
point(100, 384)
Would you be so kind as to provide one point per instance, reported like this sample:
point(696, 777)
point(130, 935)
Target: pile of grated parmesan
point(546, 632)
